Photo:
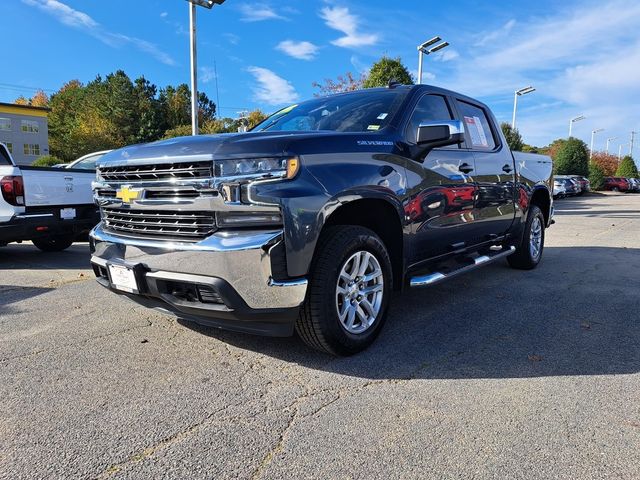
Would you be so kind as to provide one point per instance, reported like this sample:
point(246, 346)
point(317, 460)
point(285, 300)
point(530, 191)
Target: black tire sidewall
point(342, 341)
point(534, 212)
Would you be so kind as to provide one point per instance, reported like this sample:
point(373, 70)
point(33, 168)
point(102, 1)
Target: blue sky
point(583, 57)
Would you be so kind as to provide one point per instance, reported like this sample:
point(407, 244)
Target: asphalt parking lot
point(498, 374)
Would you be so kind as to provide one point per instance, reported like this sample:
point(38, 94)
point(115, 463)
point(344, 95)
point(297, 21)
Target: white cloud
point(502, 32)
point(426, 76)
point(164, 15)
point(580, 60)
point(300, 50)
point(339, 18)
point(206, 74)
point(83, 22)
point(258, 13)
point(272, 89)
point(446, 55)
point(232, 38)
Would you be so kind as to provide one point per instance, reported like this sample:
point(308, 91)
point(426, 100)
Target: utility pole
point(194, 69)
point(574, 120)
point(194, 57)
point(424, 49)
point(518, 93)
point(593, 135)
point(633, 134)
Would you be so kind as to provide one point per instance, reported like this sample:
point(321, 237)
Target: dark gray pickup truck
point(308, 222)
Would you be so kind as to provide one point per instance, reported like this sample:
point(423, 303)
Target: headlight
point(267, 166)
point(248, 219)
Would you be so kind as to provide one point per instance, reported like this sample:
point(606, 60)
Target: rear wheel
point(349, 289)
point(53, 243)
point(529, 253)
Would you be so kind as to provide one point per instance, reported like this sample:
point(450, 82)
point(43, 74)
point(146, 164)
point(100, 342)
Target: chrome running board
point(437, 277)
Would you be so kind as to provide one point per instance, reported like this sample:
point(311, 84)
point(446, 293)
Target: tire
point(615, 189)
point(526, 257)
point(53, 243)
point(319, 323)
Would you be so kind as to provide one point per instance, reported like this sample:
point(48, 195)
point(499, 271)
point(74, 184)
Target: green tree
point(63, 121)
point(46, 161)
point(514, 139)
point(596, 176)
point(572, 158)
point(627, 168)
point(385, 70)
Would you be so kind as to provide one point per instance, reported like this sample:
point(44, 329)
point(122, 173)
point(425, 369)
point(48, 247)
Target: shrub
point(572, 158)
point(596, 176)
point(46, 161)
point(627, 168)
point(607, 163)
point(514, 139)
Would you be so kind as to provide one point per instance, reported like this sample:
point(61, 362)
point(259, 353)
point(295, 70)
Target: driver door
point(441, 188)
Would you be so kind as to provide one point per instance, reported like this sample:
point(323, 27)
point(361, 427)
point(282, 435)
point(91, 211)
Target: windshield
point(361, 111)
point(88, 163)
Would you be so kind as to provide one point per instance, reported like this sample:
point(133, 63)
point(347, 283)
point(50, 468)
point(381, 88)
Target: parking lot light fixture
point(423, 49)
point(519, 93)
point(593, 135)
point(609, 140)
point(194, 57)
point(574, 120)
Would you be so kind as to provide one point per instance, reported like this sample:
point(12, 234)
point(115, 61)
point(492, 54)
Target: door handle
point(507, 168)
point(465, 168)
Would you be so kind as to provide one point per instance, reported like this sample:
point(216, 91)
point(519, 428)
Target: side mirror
point(440, 134)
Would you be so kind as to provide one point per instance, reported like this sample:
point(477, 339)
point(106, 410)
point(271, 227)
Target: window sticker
point(382, 116)
point(373, 127)
point(476, 130)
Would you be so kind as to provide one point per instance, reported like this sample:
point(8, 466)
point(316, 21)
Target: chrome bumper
point(242, 259)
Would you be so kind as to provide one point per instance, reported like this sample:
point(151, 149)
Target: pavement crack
point(165, 442)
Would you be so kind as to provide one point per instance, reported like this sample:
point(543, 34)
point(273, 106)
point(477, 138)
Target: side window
point(477, 126)
point(430, 108)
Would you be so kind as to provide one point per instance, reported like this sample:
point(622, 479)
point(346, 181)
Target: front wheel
point(349, 289)
point(529, 253)
point(53, 243)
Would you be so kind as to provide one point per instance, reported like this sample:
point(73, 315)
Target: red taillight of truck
point(12, 190)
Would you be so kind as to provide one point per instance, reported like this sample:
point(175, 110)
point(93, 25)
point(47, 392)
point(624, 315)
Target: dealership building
point(24, 130)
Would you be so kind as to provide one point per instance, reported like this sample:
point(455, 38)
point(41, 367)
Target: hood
point(236, 145)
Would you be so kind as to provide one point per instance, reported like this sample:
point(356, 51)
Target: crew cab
point(310, 221)
point(48, 206)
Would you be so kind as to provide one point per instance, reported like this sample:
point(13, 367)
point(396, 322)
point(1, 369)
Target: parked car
point(86, 162)
point(559, 189)
point(616, 184)
point(634, 184)
point(571, 186)
point(585, 184)
point(49, 206)
point(310, 220)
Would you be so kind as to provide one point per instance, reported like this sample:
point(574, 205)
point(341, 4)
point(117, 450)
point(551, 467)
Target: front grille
point(162, 171)
point(170, 194)
point(183, 225)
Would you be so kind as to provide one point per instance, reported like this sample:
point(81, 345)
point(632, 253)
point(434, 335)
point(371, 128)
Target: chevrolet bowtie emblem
point(127, 194)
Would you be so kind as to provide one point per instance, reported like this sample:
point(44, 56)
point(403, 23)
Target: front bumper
point(232, 279)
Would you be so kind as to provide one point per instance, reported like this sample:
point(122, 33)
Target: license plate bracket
point(67, 213)
point(123, 278)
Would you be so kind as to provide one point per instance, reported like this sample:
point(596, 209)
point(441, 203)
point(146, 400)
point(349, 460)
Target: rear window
point(4, 156)
point(477, 126)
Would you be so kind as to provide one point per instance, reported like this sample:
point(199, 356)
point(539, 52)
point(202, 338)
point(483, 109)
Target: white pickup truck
point(49, 206)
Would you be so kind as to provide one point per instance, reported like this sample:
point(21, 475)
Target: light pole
point(424, 49)
point(518, 93)
point(574, 120)
point(633, 137)
point(194, 57)
point(593, 134)
point(609, 141)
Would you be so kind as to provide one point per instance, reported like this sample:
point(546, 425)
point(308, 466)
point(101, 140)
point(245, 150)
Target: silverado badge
point(128, 194)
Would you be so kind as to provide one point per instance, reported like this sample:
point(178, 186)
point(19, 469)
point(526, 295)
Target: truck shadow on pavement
point(576, 314)
point(10, 294)
point(25, 256)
